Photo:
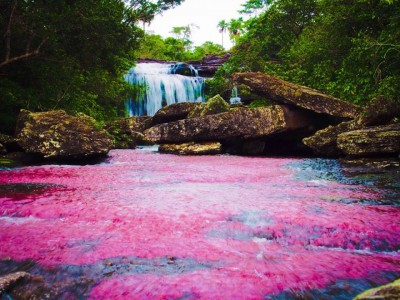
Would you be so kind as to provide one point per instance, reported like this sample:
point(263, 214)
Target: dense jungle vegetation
point(72, 54)
point(346, 48)
point(69, 54)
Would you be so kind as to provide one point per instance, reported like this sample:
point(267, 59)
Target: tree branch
point(7, 34)
point(26, 55)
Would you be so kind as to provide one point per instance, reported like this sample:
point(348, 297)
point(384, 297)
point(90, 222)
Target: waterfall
point(235, 99)
point(157, 85)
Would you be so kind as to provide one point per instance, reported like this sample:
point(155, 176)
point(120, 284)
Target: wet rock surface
point(209, 64)
point(192, 148)
point(289, 93)
point(57, 135)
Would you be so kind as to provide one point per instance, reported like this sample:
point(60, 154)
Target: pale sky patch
point(205, 14)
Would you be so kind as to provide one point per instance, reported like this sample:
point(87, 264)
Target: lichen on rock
point(57, 135)
point(214, 105)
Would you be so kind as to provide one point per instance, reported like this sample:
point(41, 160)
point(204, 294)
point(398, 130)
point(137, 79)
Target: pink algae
point(250, 225)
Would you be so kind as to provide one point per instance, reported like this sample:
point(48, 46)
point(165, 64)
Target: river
point(143, 225)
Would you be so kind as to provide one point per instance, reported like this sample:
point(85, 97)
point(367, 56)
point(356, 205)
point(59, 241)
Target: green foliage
point(259, 103)
point(175, 49)
point(350, 49)
point(69, 55)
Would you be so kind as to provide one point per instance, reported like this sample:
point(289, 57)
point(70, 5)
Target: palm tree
point(235, 28)
point(222, 25)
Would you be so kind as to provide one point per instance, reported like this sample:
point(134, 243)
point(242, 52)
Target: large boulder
point(380, 111)
point(192, 148)
point(174, 112)
point(369, 141)
point(240, 123)
point(214, 105)
point(285, 92)
point(57, 135)
point(324, 141)
point(127, 133)
point(388, 291)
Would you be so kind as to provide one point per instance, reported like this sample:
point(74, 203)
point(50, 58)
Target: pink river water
point(148, 226)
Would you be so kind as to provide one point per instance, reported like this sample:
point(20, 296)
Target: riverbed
point(144, 225)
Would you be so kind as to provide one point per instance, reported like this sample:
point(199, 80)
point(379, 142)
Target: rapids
point(148, 226)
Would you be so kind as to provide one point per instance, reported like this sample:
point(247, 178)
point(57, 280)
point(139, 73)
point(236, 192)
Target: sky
point(205, 14)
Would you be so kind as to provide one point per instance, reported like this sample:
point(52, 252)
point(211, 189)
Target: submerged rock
point(127, 133)
point(324, 142)
point(285, 92)
point(237, 123)
point(369, 141)
point(173, 112)
point(7, 281)
point(192, 148)
point(57, 135)
point(388, 291)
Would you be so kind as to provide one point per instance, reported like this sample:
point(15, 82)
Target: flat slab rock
point(192, 148)
point(236, 123)
point(285, 92)
point(370, 141)
point(173, 112)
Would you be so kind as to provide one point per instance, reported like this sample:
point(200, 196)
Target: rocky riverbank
point(298, 121)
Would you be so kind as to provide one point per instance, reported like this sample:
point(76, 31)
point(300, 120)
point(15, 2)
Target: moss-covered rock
point(127, 133)
point(214, 105)
point(192, 148)
point(371, 141)
point(284, 92)
point(388, 291)
point(57, 135)
point(324, 142)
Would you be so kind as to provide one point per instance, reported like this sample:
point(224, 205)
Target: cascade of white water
point(157, 85)
point(234, 96)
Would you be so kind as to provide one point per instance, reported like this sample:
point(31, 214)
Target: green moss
point(215, 105)
point(260, 103)
point(6, 162)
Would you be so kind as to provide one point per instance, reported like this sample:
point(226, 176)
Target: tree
point(222, 26)
point(69, 55)
point(235, 28)
point(255, 7)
